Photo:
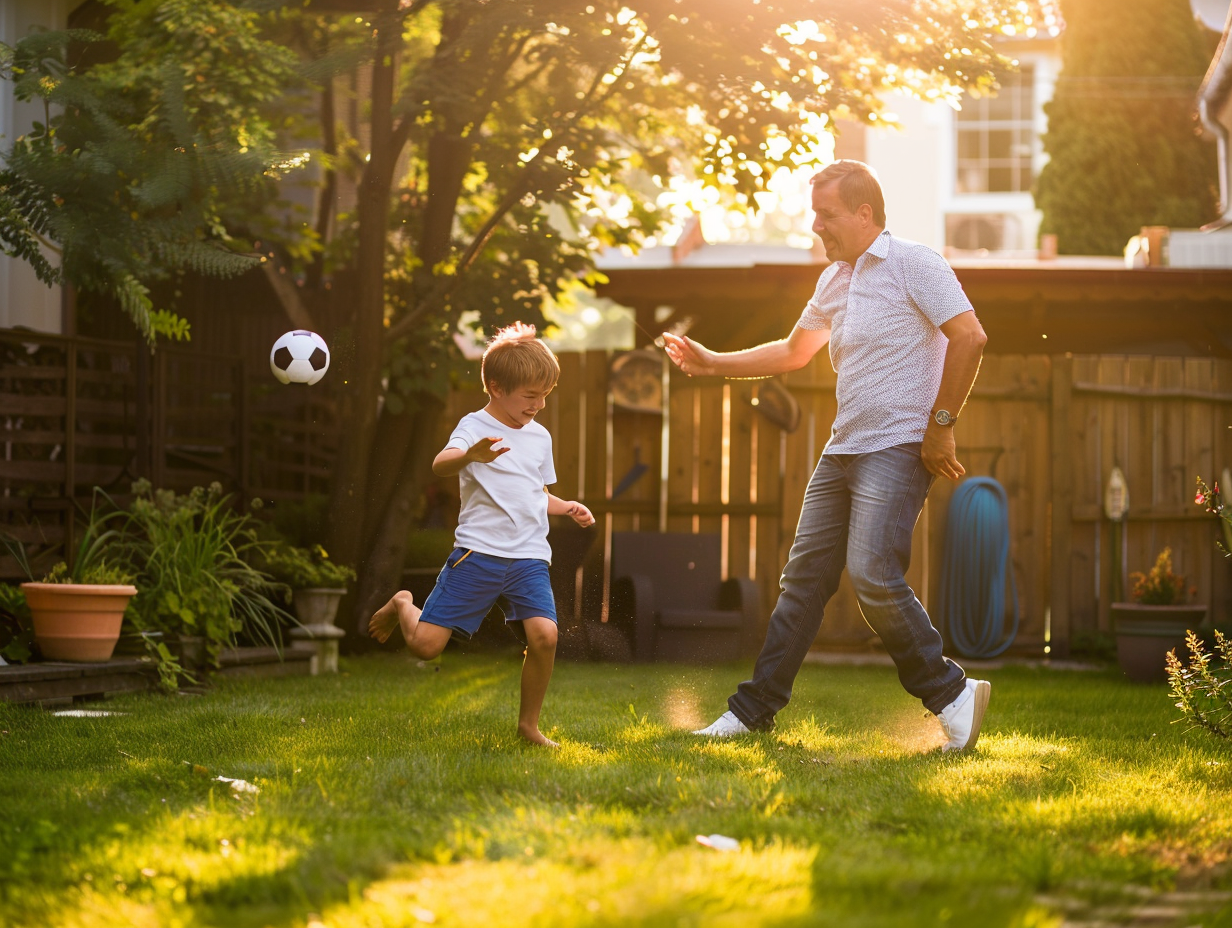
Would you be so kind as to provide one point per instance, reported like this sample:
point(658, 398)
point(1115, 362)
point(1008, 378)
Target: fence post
point(141, 387)
point(70, 446)
point(241, 465)
point(159, 444)
point(1060, 438)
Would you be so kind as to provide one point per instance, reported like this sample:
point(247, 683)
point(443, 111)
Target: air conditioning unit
point(978, 231)
point(1192, 248)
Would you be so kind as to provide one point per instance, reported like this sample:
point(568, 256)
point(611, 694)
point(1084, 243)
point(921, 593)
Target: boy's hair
point(515, 358)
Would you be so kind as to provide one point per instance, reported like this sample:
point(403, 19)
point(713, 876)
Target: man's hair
point(515, 358)
point(857, 185)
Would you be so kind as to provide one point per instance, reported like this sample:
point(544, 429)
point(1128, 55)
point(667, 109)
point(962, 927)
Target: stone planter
point(1145, 634)
point(77, 621)
point(317, 605)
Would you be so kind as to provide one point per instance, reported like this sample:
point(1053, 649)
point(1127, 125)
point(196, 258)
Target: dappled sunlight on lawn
point(140, 876)
point(468, 689)
point(577, 754)
point(641, 732)
point(998, 762)
point(740, 752)
point(599, 882)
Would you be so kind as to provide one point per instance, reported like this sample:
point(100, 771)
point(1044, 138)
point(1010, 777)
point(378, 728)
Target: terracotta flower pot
point(317, 605)
point(77, 621)
point(1145, 634)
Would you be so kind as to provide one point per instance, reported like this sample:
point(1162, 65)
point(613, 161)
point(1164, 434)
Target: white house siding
point(917, 164)
point(24, 299)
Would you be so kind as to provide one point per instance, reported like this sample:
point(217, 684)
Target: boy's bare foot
point(399, 611)
point(535, 736)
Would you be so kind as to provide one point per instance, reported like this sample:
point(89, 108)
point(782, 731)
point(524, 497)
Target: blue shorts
point(470, 583)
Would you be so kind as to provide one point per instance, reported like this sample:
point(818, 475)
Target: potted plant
point(1155, 622)
point(76, 612)
point(317, 583)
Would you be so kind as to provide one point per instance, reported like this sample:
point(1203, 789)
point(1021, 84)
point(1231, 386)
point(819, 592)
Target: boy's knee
point(541, 635)
point(425, 650)
point(403, 599)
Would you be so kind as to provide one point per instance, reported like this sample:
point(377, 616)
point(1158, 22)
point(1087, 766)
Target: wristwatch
point(943, 417)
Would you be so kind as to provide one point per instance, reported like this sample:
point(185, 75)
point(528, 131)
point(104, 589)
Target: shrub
point(1202, 689)
point(16, 628)
point(301, 568)
point(100, 572)
point(1212, 500)
point(192, 555)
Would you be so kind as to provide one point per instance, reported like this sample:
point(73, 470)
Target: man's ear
point(865, 212)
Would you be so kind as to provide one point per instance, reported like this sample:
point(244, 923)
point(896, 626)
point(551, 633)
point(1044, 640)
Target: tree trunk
point(394, 435)
point(382, 571)
point(358, 396)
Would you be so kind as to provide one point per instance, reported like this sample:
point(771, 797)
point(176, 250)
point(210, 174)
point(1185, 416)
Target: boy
point(502, 545)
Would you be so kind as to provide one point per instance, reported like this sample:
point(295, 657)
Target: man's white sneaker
point(724, 726)
point(961, 719)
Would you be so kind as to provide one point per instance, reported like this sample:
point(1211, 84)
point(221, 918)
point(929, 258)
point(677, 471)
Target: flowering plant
point(1160, 587)
point(1210, 498)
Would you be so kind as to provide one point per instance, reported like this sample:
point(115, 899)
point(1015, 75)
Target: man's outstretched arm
point(778, 357)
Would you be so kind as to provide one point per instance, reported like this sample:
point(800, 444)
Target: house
point(961, 181)
point(24, 299)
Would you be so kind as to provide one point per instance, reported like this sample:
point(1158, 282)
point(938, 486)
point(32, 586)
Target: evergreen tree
point(1123, 136)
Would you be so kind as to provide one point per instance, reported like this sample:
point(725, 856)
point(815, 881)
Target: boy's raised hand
point(483, 452)
point(579, 514)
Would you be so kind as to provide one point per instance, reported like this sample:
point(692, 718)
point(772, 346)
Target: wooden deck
point(55, 683)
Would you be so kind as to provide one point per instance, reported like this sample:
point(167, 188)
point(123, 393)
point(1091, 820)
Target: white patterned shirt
point(886, 344)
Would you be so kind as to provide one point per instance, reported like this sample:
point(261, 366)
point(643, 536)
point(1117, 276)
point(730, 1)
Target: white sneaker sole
point(983, 689)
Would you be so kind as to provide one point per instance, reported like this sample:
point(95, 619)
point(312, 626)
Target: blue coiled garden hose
point(973, 572)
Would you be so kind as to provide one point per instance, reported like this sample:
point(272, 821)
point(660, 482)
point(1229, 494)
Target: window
point(996, 137)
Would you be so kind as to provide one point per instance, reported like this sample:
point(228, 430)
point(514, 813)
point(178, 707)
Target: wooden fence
point(685, 455)
point(1049, 429)
point(79, 413)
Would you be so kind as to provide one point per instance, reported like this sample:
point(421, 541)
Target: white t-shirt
point(504, 506)
point(886, 343)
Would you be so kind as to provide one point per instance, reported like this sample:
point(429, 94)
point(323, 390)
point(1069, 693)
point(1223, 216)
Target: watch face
point(943, 417)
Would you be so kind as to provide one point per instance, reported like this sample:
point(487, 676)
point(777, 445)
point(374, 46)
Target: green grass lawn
point(392, 795)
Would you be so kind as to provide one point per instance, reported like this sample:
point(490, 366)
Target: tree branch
point(447, 285)
point(288, 297)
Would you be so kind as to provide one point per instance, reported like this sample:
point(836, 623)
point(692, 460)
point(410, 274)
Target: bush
point(1202, 688)
point(16, 628)
point(192, 557)
point(99, 572)
point(302, 568)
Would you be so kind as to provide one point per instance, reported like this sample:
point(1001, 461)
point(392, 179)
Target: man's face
point(841, 231)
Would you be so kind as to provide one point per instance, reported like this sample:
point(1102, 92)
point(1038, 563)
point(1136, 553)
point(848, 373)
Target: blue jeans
point(859, 512)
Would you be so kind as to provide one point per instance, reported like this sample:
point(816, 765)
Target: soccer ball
point(299, 357)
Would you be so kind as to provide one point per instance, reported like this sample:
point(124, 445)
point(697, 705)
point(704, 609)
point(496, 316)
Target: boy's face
point(517, 407)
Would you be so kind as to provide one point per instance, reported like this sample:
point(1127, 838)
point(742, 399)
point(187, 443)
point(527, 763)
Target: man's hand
point(579, 514)
point(687, 355)
point(483, 452)
point(939, 452)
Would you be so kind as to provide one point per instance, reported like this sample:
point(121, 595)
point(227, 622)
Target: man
point(906, 346)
